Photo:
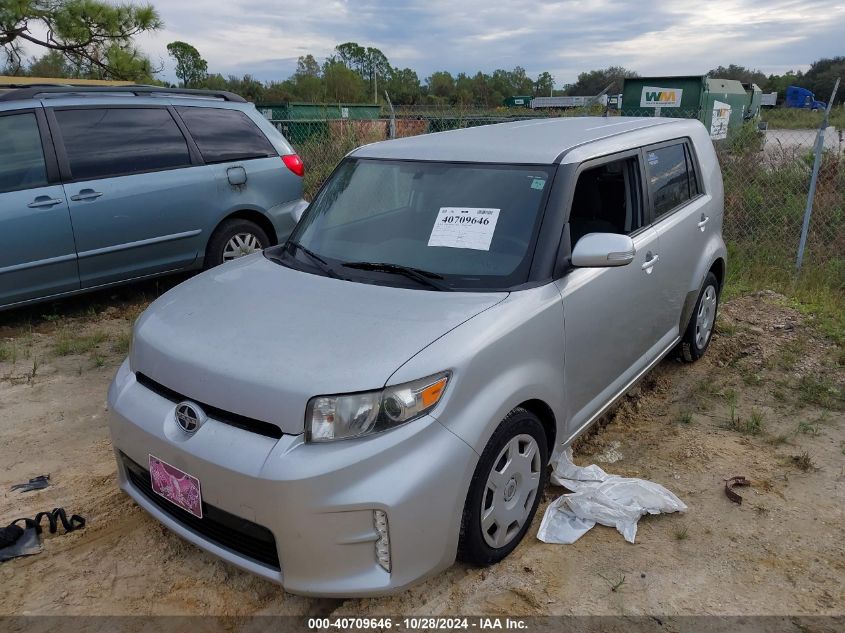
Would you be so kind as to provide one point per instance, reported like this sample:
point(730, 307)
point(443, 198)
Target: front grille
point(226, 417)
point(243, 537)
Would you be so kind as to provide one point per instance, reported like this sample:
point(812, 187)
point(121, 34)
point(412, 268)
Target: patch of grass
point(68, 344)
point(803, 462)
point(724, 328)
point(779, 394)
point(6, 352)
point(818, 390)
point(789, 354)
point(706, 387)
point(685, 417)
point(752, 425)
point(805, 428)
point(123, 342)
point(682, 534)
point(817, 291)
point(800, 119)
point(614, 585)
point(99, 361)
point(751, 377)
point(35, 365)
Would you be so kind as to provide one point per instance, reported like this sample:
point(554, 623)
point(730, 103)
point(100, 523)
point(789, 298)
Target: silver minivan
point(349, 411)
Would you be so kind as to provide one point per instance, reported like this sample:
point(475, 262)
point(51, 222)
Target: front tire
point(233, 239)
point(699, 332)
point(505, 490)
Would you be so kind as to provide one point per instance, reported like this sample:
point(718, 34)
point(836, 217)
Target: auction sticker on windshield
point(464, 227)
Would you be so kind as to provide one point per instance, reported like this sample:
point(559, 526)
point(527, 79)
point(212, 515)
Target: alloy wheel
point(239, 245)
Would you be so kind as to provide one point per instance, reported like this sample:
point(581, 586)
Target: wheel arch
point(719, 268)
point(252, 215)
point(546, 416)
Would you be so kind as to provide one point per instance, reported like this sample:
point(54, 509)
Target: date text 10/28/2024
point(417, 623)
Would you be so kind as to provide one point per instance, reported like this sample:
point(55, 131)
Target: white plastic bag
point(600, 498)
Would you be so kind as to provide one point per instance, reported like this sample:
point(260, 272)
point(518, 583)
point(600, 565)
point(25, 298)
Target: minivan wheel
point(702, 322)
point(505, 490)
point(234, 239)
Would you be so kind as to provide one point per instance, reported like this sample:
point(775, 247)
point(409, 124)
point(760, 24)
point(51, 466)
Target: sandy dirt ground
point(765, 402)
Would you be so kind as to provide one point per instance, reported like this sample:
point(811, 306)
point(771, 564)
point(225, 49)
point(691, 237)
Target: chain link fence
point(766, 173)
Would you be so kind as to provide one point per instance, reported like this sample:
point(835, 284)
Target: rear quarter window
point(225, 135)
point(668, 177)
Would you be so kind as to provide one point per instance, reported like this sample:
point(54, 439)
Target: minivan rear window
point(225, 135)
point(107, 142)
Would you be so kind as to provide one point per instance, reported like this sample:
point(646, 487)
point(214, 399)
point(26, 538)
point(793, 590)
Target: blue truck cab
point(797, 97)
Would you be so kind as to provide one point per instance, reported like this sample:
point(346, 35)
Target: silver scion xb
point(349, 411)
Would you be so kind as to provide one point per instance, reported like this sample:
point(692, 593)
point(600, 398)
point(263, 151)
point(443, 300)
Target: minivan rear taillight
point(295, 164)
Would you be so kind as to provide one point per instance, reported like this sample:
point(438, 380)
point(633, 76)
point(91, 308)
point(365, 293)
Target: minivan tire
point(214, 255)
point(694, 343)
point(474, 547)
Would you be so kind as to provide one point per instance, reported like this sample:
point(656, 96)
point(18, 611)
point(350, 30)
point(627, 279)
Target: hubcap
point(241, 244)
point(705, 317)
point(510, 490)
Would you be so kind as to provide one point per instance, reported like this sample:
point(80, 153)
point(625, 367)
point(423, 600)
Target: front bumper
point(316, 500)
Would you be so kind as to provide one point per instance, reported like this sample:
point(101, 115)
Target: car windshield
point(438, 226)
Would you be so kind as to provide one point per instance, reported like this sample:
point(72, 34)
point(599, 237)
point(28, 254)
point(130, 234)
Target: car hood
point(259, 339)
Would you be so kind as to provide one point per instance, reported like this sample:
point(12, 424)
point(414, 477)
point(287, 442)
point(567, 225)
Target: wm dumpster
point(301, 122)
point(722, 105)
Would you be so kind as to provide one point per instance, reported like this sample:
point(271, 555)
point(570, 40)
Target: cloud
point(564, 38)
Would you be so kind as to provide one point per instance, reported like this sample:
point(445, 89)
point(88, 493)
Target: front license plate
point(178, 487)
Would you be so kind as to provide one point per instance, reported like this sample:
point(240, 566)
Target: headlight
point(330, 418)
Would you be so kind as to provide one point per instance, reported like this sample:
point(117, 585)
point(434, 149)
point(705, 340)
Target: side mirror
point(600, 250)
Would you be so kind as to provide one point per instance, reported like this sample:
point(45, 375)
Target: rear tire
point(505, 491)
point(699, 332)
point(234, 238)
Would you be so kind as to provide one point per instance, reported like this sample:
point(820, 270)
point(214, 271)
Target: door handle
point(704, 220)
point(44, 201)
point(650, 262)
point(86, 194)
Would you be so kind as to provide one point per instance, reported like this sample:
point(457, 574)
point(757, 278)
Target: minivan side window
point(22, 157)
point(668, 177)
point(106, 142)
point(225, 135)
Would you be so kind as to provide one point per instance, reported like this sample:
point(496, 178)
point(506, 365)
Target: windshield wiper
point(424, 277)
point(322, 264)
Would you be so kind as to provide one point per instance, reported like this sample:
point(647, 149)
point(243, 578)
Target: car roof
point(532, 141)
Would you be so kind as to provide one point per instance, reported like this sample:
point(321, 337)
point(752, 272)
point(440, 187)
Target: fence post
point(808, 211)
point(391, 127)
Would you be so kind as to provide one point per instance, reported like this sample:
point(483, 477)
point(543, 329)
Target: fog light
point(383, 542)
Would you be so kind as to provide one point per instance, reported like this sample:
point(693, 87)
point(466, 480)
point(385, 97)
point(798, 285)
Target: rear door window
point(21, 157)
point(106, 142)
point(668, 177)
point(225, 135)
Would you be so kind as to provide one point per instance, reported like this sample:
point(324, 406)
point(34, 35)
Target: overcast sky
point(264, 37)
